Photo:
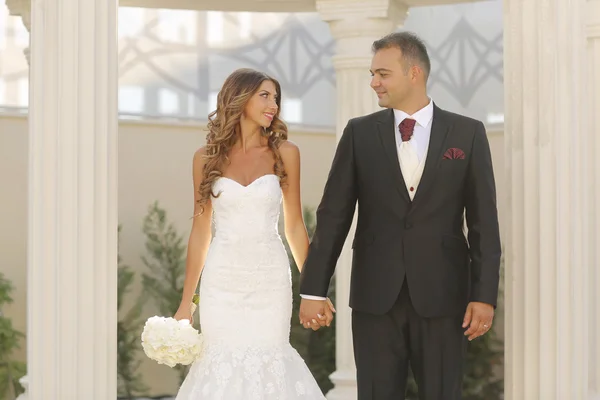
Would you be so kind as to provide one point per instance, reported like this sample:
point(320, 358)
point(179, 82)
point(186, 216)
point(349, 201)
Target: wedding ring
point(485, 326)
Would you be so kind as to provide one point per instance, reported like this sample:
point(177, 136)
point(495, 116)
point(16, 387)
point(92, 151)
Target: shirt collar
point(423, 116)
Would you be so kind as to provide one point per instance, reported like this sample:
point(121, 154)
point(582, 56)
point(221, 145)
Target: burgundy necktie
point(407, 127)
point(409, 161)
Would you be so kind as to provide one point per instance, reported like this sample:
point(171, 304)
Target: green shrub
point(10, 370)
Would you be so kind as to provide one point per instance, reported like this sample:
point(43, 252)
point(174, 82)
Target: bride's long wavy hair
point(224, 128)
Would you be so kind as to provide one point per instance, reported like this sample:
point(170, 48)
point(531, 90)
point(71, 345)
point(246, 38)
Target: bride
point(242, 175)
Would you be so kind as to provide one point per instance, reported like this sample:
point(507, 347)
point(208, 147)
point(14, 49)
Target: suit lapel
point(439, 131)
point(387, 135)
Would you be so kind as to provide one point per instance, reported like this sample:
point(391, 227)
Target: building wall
point(154, 165)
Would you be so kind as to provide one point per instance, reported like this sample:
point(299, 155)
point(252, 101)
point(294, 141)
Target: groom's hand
point(315, 313)
point(478, 318)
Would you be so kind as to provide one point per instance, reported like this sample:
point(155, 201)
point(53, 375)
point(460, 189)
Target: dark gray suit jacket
point(421, 241)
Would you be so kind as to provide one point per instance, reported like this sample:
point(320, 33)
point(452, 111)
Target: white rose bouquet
point(171, 342)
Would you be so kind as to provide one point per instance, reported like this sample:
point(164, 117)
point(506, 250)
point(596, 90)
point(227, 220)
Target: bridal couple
point(420, 288)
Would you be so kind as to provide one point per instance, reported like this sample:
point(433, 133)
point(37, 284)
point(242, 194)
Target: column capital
point(21, 8)
point(356, 19)
point(357, 24)
point(335, 10)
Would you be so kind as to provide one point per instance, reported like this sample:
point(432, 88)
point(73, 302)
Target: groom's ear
point(416, 73)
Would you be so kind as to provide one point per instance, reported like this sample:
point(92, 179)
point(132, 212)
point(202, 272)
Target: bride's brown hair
point(224, 127)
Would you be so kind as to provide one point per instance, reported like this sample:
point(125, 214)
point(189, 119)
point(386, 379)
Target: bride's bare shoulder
point(199, 160)
point(289, 148)
point(290, 155)
point(201, 152)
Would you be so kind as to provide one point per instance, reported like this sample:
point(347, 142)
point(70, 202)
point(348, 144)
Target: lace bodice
point(246, 211)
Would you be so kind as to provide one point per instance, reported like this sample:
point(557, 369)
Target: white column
point(72, 260)
point(593, 37)
point(549, 202)
point(354, 25)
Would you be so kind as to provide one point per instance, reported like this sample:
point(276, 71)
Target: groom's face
point(390, 78)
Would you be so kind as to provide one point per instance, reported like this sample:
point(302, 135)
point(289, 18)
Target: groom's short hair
point(413, 49)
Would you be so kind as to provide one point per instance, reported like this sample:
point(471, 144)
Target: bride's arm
point(200, 237)
point(295, 230)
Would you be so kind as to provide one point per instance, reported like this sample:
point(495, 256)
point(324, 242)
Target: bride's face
point(262, 106)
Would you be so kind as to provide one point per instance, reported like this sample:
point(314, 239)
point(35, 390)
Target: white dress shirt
point(422, 131)
point(420, 141)
point(412, 154)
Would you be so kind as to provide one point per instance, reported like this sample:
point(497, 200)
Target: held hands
point(315, 314)
point(478, 318)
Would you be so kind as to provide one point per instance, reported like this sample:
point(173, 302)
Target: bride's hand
point(182, 313)
point(330, 304)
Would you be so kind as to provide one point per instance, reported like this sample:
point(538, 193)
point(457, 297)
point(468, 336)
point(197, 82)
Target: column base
point(24, 382)
point(344, 382)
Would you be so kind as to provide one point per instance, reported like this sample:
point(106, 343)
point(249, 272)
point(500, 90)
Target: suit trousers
point(386, 345)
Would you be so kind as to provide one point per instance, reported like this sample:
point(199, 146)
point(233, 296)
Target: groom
point(419, 287)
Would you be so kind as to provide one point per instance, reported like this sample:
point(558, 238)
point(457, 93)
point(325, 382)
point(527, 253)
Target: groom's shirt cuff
point(311, 297)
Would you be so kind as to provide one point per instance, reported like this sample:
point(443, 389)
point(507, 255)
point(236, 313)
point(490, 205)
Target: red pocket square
point(454, 154)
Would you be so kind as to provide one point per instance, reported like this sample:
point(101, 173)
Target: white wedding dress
point(246, 304)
